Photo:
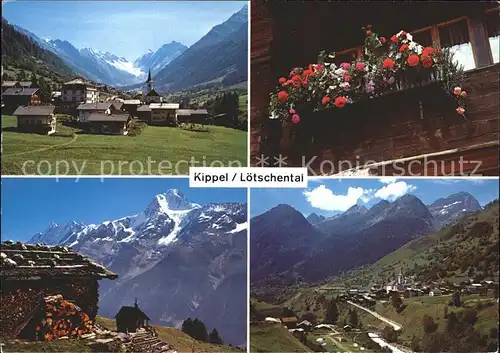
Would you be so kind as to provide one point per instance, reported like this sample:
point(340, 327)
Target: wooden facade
point(414, 125)
point(29, 273)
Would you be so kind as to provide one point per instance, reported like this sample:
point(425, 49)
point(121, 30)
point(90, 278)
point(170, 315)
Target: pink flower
point(295, 119)
point(463, 94)
point(360, 66)
point(345, 66)
point(292, 111)
point(460, 110)
point(457, 90)
point(347, 78)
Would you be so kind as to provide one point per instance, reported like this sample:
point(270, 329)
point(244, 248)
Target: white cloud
point(325, 199)
point(394, 190)
point(388, 180)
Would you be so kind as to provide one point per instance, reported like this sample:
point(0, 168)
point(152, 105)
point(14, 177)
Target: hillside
point(466, 248)
point(220, 57)
point(274, 338)
point(19, 52)
point(181, 341)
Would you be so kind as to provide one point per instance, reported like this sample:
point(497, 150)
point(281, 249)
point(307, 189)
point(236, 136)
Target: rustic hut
point(130, 318)
point(409, 126)
point(30, 274)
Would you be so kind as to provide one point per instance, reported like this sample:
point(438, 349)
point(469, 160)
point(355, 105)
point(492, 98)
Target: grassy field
point(79, 346)
point(177, 338)
point(411, 317)
point(181, 342)
point(274, 338)
point(157, 150)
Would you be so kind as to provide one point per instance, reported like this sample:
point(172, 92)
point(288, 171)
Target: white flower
point(274, 115)
point(419, 49)
point(412, 45)
point(339, 71)
point(409, 36)
point(398, 56)
point(333, 67)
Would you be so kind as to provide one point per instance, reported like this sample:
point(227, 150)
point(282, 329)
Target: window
point(492, 24)
point(455, 36)
point(423, 37)
point(345, 56)
point(39, 122)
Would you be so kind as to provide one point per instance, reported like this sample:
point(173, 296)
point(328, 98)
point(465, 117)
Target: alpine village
point(398, 277)
point(54, 96)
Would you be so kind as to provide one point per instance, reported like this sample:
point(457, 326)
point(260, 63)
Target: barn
point(408, 126)
point(37, 280)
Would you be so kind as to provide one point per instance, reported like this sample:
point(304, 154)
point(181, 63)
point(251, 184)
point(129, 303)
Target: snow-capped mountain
point(155, 61)
point(449, 208)
point(106, 67)
point(178, 258)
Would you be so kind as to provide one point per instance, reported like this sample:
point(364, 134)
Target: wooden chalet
point(289, 322)
point(19, 96)
point(35, 278)
point(36, 118)
point(408, 127)
point(163, 113)
point(131, 106)
point(194, 116)
point(131, 318)
point(144, 113)
point(109, 124)
point(85, 109)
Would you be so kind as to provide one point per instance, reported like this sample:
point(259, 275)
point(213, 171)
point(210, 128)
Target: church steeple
point(149, 83)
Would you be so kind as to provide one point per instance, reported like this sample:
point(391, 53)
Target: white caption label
point(255, 177)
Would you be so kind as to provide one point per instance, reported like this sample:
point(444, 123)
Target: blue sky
point(331, 196)
point(124, 28)
point(30, 204)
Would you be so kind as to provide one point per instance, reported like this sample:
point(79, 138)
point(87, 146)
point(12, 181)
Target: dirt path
point(44, 148)
point(395, 325)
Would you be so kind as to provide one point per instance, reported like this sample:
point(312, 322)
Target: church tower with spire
point(149, 83)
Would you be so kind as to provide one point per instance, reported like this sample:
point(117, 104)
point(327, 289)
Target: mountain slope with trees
point(23, 54)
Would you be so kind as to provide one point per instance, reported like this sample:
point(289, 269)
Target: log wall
point(19, 298)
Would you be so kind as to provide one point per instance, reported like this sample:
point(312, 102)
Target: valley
point(362, 281)
point(219, 57)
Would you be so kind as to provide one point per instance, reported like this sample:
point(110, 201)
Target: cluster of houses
point(408, 287)
point(81, 99)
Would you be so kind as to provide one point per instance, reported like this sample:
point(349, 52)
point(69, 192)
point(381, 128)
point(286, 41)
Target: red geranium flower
point(304, 81)
point(403, 47)
point(360, 66)
point(388, 63)
point(296, 84)
point(325, 100)
point(413, 60)
point(296, 78)
point(347, 78)
point(345, 66)
point(382, 40)
point(340, 102)
point(282, 80)
point(394, 39)
point(427, 61)
point(282, 96)
point(427, 51)
point(319, 68)
point(307, 73)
